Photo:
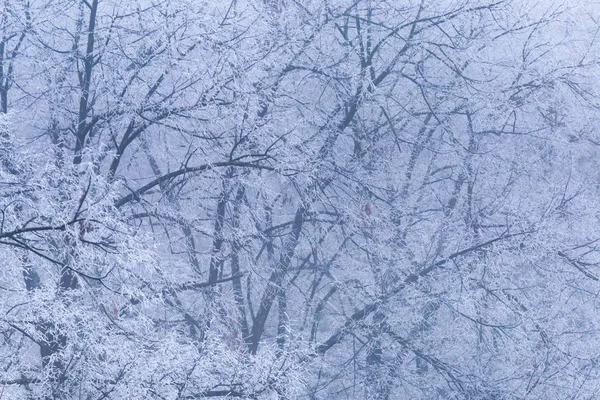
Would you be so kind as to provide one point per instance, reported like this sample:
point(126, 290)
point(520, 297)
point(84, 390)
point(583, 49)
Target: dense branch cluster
point(321, 199)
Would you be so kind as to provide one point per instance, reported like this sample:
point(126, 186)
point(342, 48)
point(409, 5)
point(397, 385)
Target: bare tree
point(323, 199)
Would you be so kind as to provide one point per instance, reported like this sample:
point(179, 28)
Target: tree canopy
point(286, 199)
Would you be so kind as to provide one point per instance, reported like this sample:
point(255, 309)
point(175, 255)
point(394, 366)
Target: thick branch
point(410, 279)
point(135, 195)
